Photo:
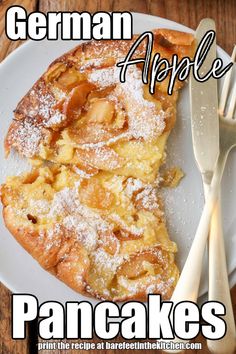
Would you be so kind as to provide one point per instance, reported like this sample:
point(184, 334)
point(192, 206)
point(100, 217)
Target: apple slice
point(76, 100)
point(102, 158)
point(94, 195)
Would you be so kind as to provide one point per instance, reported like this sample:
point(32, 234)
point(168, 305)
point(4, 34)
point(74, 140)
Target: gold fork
point(188, 285)
point(218, 275)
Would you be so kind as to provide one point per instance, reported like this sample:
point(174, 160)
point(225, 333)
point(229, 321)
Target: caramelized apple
point(120, 120)
point(54, 72)
point(136, 265)
point(94, 195)
point(92, 134)
point(101, 93)
point(127, 234)
point(101, 111)
point(70, 79)
point(77, 98)
point(84, 167)
point(102, 158)
point(108, 241)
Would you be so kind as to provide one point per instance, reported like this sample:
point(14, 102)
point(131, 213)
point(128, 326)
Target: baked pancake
point(90, 210)
point(105, 235)
point(79, 113)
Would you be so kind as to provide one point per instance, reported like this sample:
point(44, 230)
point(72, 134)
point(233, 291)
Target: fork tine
point(225, 88)
point(232, 103)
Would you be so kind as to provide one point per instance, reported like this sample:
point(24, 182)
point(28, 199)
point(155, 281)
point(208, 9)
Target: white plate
point(18, 270)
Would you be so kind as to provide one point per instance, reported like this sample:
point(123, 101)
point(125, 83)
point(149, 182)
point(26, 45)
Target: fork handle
point(218, 282)
point(188, 285)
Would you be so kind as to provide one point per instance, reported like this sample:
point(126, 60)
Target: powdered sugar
point(47, 111)
point(144, 120)
point(69, 217)
point(138, 231)
point(91, 63)
point(148, 198)
point(161, 287)
point(30, 131)
point(82, 173)
point(133, 185)
point(104, 77)
point(108, 142)
point(63, 202)
point(52, 239)
point(105, 261)
point(146, 194)
point(46, 101)
point(56, 119)
point(27, 137)
point(41, 206)
point(86, 231)
point(79, 219)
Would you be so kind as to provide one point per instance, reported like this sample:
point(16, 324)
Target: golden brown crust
point(38, 115)
point(64, 257)
point(67, 259)
point(82, 236)
point(110, 140)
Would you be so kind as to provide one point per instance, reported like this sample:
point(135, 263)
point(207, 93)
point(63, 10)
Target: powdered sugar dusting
point(144, 120)
point(56, 119)
point(83, 221)
point(108, 142)
point(27, 137)
point(133, 185)
point(104, 77)
point(86, 231)
point(162, 287)
point(47, 111)
point(145, 194)
point(82, 173)
point(148, 198)
point(98, 232)
point(138, 231)
point(39, 113)
point(106, 262)
point(92, 63)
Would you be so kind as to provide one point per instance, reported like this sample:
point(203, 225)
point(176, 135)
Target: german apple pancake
point(90, 210)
